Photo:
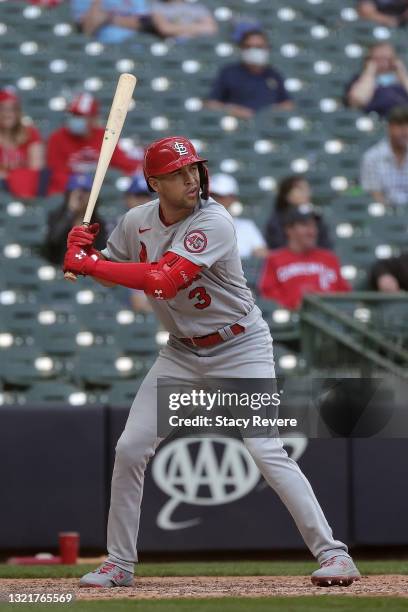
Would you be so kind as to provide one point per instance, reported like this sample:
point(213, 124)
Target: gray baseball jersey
point(219, 296)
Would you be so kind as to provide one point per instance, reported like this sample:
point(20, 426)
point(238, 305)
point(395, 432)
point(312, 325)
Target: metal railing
point(334, 337)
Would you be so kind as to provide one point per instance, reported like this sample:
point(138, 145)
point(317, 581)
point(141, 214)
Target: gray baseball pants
point(247, 355)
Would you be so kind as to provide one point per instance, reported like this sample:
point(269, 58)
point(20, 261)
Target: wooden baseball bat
point(116, 119)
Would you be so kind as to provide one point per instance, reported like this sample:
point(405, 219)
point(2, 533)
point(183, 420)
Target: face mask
point(386, 79)
point(77, 125)
point(255, 56)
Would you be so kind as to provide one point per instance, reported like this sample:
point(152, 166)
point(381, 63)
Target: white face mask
point(255, 56)
point(386, 79)
point(77, 125)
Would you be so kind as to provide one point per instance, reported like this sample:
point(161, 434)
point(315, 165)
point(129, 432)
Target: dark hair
point(254, 32)
point(381, 43)
point(285, 187)
point(398, 115)
point(96, 217)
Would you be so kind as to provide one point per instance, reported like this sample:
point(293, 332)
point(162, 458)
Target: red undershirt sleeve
point(131, 275)
point(162, 279)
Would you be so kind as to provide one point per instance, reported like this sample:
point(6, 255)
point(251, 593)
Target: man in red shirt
point(300, 267)
point(74, 148)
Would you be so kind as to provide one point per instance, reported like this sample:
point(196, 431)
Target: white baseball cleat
point(336, 571)
point(107, 575)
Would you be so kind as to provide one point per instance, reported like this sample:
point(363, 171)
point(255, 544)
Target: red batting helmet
point(169, 154)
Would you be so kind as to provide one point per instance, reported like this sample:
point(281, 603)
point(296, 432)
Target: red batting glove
point(83, 235)
point(77, 260)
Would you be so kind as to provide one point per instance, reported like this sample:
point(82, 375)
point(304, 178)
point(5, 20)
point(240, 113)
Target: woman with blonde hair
point(21, 149)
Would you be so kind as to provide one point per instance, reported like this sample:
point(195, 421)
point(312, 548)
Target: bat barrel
point(116, 119)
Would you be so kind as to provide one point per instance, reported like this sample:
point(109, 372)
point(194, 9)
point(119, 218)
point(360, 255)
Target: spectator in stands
point(390, 275)
point(301, 267)
point(21, 149)
point(293, 191)
point(243, 88)
point(70, 213)
point(390, 13)
point(224, 189)
point(74, 148)
point(137, 192)
point(384, 169)
point(46, 3)
point(111, 21)
point(382, 84)
point(181, 20)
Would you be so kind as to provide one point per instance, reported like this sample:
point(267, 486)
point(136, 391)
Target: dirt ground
point(243, 586)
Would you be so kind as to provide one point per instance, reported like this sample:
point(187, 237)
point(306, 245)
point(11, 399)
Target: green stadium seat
point(123, 393)
point(21, 273)
point(316, 45)
point(24, 366)
point(57, 394)
point(283, 323)
point(101, 366)
point(17, 317)
point(252, 267)
point(392, 319)
point(287, 361)
point(130, 341)
point(57, 339)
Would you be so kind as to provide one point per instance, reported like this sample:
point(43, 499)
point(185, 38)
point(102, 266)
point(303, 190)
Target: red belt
point(212, 339)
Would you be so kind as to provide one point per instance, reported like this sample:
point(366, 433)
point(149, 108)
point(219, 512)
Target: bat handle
point(70, 276)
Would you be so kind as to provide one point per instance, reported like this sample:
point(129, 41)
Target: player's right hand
point(82, 235)
point(79, 261)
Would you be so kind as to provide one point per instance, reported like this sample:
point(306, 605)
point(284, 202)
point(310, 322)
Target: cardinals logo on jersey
point(195, 241)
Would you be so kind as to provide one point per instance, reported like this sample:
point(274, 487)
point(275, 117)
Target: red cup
point(69, 547)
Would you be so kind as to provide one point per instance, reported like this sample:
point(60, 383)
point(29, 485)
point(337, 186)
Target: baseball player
point(181, 250)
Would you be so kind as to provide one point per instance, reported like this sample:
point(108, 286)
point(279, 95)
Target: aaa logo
point(202, 472)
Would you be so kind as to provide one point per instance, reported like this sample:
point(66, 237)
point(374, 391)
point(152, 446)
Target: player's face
point(179, 189)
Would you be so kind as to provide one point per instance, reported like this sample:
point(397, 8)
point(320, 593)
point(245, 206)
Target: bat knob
point(70, 276)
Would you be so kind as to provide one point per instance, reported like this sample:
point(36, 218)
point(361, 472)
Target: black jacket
point(60, 221)
point(396, 266)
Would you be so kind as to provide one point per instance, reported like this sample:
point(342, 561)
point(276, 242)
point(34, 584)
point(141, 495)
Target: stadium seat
point(101, 366)
point(85, 334)
point(57, 393)
point(25, 365)
point(123, 393)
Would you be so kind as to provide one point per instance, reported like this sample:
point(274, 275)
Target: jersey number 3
point(203, 299)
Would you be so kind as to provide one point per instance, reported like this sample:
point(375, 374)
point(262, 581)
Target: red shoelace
point(107, 567)
point(332, 561)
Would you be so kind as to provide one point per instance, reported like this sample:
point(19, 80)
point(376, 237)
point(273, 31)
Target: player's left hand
point(78, 261)
point(82, 235)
